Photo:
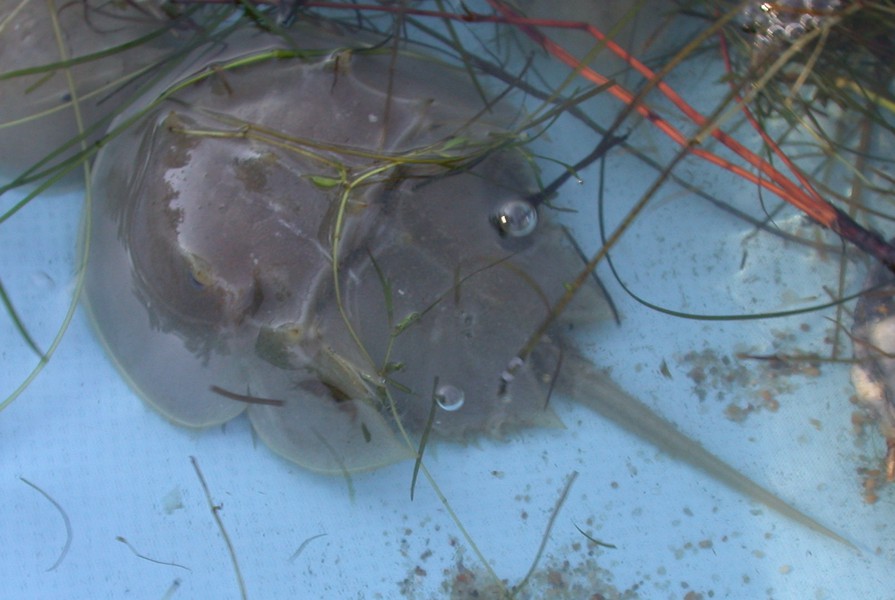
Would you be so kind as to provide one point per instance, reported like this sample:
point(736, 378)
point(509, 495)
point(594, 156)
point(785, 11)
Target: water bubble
point(516, 217)
point(449, 397)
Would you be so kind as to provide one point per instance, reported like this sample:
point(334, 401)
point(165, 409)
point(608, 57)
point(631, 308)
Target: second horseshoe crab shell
point(103, 51)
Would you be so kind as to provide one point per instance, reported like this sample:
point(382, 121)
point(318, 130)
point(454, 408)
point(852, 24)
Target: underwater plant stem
point(7, 19)
point(245, 397)
point(424, 438)
point(17, 322)
point(573, 287)
point(172, 589)
point(336, 244)
point(854, 202)
point(65, 520)
point(304, 545)
point(570, 481)
point(215, 512)
point(136, 553)
point(81, 266)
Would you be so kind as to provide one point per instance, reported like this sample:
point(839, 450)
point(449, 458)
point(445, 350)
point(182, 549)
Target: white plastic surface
point(119, 471)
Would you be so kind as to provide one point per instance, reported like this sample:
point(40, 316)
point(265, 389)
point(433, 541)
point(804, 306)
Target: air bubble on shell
point(449, 397)
point(516, 217)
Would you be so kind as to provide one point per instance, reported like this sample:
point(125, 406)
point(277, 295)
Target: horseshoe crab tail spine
point(593, 389)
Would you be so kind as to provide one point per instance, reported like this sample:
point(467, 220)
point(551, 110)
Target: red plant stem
point(811, 203)
point(782, 183)
point(725, 54)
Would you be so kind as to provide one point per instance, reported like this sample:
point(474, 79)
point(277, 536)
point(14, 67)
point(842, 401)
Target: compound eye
point(516, 218)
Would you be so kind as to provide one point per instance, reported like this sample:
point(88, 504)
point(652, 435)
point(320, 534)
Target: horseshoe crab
point(348, 252)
